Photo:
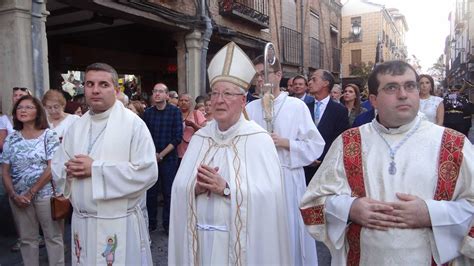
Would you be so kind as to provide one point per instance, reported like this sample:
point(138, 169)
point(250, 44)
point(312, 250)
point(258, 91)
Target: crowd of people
point(245, 179)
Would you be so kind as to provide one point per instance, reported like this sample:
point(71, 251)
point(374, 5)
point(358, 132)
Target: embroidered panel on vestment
point(313, 215)
point(450, 160)
point(352, 157)
point(449, 164)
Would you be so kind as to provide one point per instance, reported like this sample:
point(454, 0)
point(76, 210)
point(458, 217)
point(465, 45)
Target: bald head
point(161, 86)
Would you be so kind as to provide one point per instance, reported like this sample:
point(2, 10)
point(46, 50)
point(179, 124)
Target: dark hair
point(430, 79)
point(395, 68)
point(138, 106)
point(40, 121)
point(71, 107)
point(300, 77)
point(326, 76)
point(200, 99)
point(261, 60)
point(456, 87)
point(356, 89)
point(104, 67)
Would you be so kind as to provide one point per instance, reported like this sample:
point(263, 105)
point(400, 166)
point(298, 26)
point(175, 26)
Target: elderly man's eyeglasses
point(19, 88)
point(226, 95)
point(392, 88)
point(26, 107)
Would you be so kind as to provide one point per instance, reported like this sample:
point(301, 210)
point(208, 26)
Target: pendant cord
point(393, 150)
point(93, 141)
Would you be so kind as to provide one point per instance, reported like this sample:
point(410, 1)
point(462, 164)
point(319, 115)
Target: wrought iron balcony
point(291, 46)
point(316, 52)
point(254, 11)
point(336, 60)
point(456, 64)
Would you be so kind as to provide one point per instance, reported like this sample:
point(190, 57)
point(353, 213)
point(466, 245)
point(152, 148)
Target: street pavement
point(159, 249)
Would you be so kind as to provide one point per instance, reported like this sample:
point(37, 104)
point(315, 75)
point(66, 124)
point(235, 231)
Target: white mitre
point(231, 64)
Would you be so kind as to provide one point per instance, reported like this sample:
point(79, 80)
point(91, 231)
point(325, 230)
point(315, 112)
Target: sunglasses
point(19, 88)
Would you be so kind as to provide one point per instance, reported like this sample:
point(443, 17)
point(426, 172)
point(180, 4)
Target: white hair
point(336, 87)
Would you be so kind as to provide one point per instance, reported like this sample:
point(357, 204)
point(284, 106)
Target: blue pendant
point(392, 169)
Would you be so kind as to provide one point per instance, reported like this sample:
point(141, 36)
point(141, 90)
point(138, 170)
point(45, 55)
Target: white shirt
point(302, 98)
point(64, 125)
point(322, 107)
point(6, 124)
point(430, 106)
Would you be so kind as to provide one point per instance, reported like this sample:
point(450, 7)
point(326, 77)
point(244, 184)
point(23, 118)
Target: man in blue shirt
point(166, 127)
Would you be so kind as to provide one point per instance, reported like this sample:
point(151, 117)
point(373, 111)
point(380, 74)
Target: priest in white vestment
point(396, 191)
point(105, 165)
point(227, 203)
point(298, 144)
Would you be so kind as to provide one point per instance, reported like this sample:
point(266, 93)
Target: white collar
point(281, 97)
point(399, 130)
point(325, 101)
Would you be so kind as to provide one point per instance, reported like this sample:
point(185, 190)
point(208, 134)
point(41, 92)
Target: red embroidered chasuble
point(449, 164)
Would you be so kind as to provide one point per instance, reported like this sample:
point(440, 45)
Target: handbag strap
point(46, 156)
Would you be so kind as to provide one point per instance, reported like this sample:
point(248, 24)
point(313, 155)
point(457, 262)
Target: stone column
point(16, 53)
point(193, 62)
point(180, 61)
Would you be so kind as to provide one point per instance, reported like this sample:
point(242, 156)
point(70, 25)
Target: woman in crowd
point(54, 103)
point(173, 98)
point(201, 108)
point(208, 110)
point(351, 100)
point(26, 172)
point(137, 108)
point(73, 108)
point(193, 121)
point(17, 93)
point(430, 105)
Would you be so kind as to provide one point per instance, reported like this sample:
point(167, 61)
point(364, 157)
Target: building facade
point(159, 40)
point(371, 33)
point(459, 53)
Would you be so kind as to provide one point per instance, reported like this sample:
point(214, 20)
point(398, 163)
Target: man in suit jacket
point(300, 85)
point(331, 118)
